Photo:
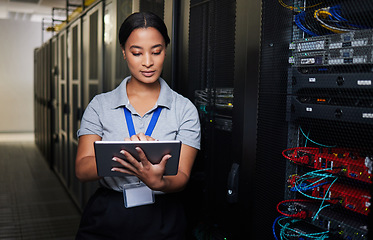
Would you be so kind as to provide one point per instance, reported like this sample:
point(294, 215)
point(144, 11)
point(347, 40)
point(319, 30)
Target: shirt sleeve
point(91, 123)
point(190, 129)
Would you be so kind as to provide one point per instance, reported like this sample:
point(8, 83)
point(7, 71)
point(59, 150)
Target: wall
point(17, 42)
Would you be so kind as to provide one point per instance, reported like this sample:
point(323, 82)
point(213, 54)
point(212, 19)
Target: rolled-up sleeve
point(190, 130)
point(91, 123)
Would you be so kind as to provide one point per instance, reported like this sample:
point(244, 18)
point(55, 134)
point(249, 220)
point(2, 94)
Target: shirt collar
point(121, 98)
point(165, 96)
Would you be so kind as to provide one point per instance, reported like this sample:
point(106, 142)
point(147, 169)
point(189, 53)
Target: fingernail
point(114, 159)
point(122, 152)
point(113, 170)
point(137, 148)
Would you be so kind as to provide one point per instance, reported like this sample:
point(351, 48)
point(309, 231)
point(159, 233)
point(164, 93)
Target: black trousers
point(105, 217)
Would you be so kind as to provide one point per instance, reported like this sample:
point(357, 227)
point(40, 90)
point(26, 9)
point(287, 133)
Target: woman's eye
point(136, 54)
point(157, 53)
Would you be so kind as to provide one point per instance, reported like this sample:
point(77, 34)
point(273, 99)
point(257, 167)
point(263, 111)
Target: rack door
point(62, 161)
point(74, 103)
point(92, 53)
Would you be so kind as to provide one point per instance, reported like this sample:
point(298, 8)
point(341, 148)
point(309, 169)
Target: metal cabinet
point(62, 163)
point(54, 130)
point(92, 53)
point(74, 60)
point(92, 70)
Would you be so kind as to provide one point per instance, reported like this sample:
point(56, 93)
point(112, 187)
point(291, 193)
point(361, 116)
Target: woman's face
point(145, 51)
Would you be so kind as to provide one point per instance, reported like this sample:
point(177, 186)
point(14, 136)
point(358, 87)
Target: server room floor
point(33, 203)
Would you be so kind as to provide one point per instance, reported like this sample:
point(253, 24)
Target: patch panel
point(348, 197)
point(336, 49)
point(334, 41)
point(344, 195)
point(346, 162)
point(340, 224)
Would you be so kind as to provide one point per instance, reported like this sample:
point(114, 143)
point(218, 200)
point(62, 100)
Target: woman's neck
point(143, 96)
point(138, 87)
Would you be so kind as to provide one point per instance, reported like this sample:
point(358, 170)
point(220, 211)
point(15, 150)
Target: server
point(321, 81)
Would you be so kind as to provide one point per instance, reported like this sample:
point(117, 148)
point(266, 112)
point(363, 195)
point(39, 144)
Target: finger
point(122, 170)
point(125, 164)
point(131, 159)
point(144, 160)
point(127, 139)
point(135, 138)
point(149, 138)
point(142, 137)
point(165, 160)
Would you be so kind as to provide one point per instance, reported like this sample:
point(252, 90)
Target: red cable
point(302, 214)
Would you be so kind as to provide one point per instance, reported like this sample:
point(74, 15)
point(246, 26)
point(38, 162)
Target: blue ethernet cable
point(322, 145)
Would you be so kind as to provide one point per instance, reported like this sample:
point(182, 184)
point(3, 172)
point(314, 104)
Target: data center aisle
point(33, 203)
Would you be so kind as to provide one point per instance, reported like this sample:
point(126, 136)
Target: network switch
point(352, 48)
point(302, 108)
point(338, 80)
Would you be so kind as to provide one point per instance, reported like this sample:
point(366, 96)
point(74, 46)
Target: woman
point(143, 38)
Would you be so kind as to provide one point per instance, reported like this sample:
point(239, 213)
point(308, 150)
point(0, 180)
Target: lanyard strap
point(149, 130)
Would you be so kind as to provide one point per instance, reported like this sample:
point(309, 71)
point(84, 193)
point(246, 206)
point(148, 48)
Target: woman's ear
point(124, 54)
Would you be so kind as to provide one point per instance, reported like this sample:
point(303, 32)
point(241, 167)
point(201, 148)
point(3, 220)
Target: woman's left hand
point(148, 173)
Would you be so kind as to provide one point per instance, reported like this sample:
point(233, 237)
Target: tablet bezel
point(154, 150)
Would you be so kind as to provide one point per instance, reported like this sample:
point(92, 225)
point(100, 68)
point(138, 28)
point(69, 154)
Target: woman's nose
point(148, 60)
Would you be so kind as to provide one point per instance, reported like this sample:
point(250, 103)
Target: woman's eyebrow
point(138, 47)
point(134, 46)
point(158, 45)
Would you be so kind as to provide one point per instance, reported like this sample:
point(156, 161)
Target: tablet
point(154, 151)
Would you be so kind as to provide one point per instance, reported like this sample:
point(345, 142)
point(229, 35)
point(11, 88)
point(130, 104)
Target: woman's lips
point(147, 73)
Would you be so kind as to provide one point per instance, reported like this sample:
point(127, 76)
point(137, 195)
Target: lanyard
point(149, 130)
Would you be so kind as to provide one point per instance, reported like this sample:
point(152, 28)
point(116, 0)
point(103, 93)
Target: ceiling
point(33, 10)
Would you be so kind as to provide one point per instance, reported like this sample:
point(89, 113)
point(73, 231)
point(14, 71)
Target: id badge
point(137, 194)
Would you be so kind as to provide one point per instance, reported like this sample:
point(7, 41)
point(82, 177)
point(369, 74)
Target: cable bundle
point(289, 229)
point(316, 21)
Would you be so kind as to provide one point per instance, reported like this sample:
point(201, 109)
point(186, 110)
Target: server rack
point(223, 56)
point(62, 164)
point(314, 124)
point(54, 105)
point(42, 100)
point(74, 53)
point(92, 66)
point(92, 53)
point(115, 67)
point(36, 79)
